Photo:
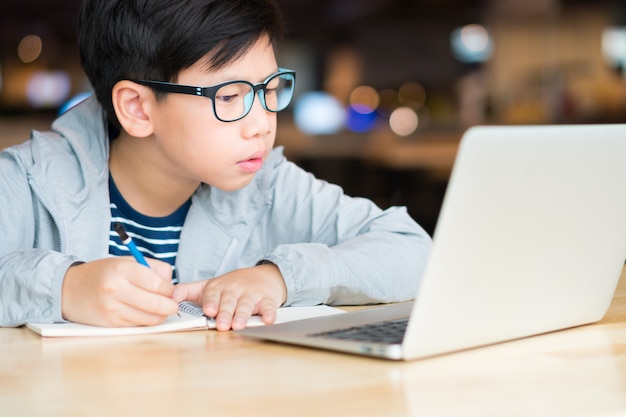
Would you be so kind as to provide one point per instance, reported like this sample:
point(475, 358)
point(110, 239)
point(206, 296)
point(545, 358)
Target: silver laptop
point(531, 238)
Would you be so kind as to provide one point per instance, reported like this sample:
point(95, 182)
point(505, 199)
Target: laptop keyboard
point(388, 332)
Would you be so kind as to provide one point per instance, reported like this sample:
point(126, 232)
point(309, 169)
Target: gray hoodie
point(330, 248)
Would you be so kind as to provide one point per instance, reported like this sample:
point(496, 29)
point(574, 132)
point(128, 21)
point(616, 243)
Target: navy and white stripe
point(155, 237)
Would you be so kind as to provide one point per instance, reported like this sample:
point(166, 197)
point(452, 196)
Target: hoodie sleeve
point(30, 286)
point(30, 279)
point(342, 250)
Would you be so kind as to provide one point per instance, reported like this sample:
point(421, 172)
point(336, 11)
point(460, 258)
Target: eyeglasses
point(233, 100)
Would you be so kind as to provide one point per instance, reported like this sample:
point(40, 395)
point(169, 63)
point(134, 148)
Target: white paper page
point(174, 323)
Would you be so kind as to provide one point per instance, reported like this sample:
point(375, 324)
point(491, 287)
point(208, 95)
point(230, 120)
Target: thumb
point(190, 291)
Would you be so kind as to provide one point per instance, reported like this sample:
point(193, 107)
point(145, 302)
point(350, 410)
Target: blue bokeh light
point(359, 120)
point(318, 113)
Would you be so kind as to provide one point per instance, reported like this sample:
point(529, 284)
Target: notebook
point(531, 238)
point(190, 317)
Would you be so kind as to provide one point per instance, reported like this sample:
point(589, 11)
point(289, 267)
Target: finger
point(130, 316)
point(190, 291)
point(148, 302)
point(226, 310)
point(243, 312)
point(149, 280)
point(126, 309)
point(267, 310)
point(146, 291)
point(212, 301)
point(163, 269)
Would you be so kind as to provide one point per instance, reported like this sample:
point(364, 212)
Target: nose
point(258, 122)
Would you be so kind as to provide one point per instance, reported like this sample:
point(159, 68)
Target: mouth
point(253, 163)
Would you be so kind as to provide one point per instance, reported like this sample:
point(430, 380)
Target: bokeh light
point(403, 121)
point(29, 48)
point(48, 88)
point(412, 94)
point(614, 46)
point(388, 100)
point(471, 43)
point(364, 99)
point(359, 121)
point(362, 115)
point(318, 113)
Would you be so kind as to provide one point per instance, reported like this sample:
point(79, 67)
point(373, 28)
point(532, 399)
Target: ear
point(133, 104)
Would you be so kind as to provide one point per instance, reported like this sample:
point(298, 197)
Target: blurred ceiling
point(53, 18)
point(305, 17)
point(421, 28)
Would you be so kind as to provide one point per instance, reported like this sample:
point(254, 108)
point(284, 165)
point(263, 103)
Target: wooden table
point(576, 372)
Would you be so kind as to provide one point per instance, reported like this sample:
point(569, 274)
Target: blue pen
point(128, 242)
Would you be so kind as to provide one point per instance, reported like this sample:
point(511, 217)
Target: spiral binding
point(190, 308)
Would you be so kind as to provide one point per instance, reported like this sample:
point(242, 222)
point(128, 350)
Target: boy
point(191, 174)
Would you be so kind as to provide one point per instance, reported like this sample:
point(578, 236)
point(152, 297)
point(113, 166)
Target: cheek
point(188, 122)
point(205, 147)
point(196, 142)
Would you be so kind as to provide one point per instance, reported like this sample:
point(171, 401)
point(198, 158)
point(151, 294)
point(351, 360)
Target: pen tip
point(120, 230)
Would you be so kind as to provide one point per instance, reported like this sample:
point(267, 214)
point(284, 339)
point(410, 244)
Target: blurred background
point(385, 88)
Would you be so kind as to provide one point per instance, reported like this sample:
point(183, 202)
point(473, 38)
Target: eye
point(227, 98)
point(232, 93)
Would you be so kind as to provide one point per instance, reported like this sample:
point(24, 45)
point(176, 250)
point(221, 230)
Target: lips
point(253, 163)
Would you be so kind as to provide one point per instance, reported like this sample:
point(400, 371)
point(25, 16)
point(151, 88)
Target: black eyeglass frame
point(210, 91)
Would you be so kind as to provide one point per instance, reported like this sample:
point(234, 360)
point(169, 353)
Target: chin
point(233, 185)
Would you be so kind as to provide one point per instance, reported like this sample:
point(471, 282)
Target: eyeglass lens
point(235, 100)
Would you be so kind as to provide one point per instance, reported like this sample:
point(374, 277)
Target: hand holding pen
point(128, 242)
point(117, 292)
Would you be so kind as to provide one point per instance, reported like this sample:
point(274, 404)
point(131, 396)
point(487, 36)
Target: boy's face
point(192, 144)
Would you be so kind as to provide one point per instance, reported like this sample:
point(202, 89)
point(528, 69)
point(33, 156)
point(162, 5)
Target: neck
point(140, 176)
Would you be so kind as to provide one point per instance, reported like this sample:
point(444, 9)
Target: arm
point(30, 278)
point(41, 283)
point(346, 250)
point(325, 247)
point(45, 286)
point(30, 286)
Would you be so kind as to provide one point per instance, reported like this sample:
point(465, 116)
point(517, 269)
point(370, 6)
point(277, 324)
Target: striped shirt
point(155, 237)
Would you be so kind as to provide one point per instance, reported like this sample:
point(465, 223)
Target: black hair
point(156, 39)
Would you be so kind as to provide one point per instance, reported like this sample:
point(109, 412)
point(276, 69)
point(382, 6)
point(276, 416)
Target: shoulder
point(76, 138)
point(78, 134)
point(61, 164)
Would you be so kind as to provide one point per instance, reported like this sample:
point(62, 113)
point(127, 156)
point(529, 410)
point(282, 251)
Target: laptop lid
point(531, 238)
